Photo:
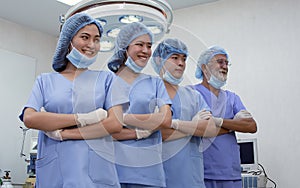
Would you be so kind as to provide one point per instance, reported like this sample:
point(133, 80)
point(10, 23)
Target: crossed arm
point(202, 124)
point(58, 125)
point(110, 125)
point(242, 122)
point(144, 124)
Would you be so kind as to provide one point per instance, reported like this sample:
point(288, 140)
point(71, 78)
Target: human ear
point(205, 71)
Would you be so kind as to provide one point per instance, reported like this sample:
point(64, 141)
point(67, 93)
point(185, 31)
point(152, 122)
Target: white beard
point(220, 76)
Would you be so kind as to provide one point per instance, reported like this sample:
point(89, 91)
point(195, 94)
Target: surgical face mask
point(132, 65)
point(171, 79)
point(214, 81)
point(79, 60)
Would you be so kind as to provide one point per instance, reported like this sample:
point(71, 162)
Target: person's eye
point(84, 37)
point(97, 40)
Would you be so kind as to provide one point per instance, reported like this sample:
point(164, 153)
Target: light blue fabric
point(183, 162)
point(128, 185)
point(164, 50)
point(69, 30)
point(167, 76)
point(127, 34)
point(133, 66)
point(80, 60)
point(224, 147)
point(223, 184)
point(206, 56)
point(215, 82)
point(73, 163)
point(139, 161)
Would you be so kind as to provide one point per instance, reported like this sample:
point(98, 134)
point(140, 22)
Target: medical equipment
point(6, 180)
point(155, 14)
point(252, 176)
point(248, 154)
point(33, 155)
point(33, 152)
point(23, 141)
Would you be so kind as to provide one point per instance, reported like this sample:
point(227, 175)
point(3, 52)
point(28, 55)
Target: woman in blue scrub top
point(221, 157)
point(183, 161)
point(138, 145)
point(74, 96)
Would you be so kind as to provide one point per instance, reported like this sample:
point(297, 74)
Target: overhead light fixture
point(155, 29)
point(106, 45)
point(69, 2)
point(130, 19)
point(102, 21)
point(157, 15)
point(113, 32)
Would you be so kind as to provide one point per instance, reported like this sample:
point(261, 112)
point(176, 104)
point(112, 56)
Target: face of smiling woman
point(140, 50)
point(87, 40)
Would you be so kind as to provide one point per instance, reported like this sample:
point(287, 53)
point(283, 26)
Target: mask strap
point(206, 71)
point(69, 50)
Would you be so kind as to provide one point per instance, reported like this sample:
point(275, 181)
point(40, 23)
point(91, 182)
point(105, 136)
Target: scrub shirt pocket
point(195, 161)
point(101, 171)
point(194, 147)
point(236, 159)
point(46, 167)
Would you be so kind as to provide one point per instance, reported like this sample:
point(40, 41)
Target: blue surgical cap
point(69, 30)
point(164, 50)
point(206, 56)
point(126, 35)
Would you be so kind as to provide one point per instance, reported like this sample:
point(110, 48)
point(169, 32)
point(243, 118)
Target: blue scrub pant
point(130, 185)
point(223, 184)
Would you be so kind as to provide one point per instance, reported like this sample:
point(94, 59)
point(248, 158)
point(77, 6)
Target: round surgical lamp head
point(157, 15)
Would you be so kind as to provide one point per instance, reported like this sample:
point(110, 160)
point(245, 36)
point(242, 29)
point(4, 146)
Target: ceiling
point(43, 15)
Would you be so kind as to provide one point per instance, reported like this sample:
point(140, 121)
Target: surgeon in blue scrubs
point(221, 154)
point(183, 160)
point(146, 106)
point(72, 97)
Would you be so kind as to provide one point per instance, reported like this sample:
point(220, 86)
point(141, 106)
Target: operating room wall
point(262, 39)
point(24, 53)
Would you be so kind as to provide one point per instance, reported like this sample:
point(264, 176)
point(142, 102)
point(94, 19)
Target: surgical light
point(106, 45)
point(131, 19)
point(155, 14)
point(69, 2)
point(113, 32)
point(102, 22)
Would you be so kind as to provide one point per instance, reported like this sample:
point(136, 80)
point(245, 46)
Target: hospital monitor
point(248, 154)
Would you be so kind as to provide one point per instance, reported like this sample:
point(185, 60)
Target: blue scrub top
point(221, 154)
point(73, 163)
point(140, 161)
point(183, 162)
